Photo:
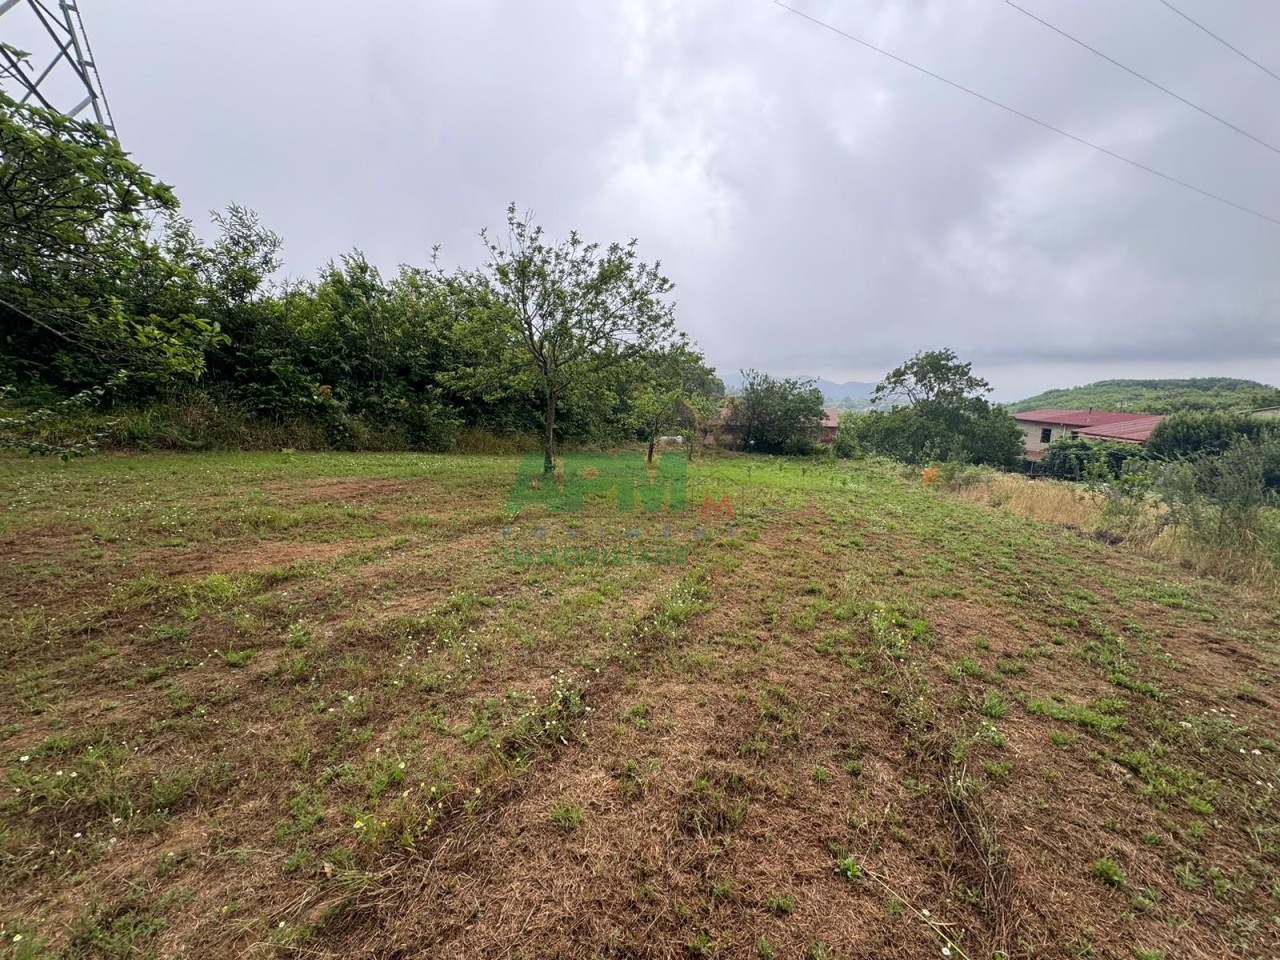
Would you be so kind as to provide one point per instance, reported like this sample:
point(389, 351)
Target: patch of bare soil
point(241, 557)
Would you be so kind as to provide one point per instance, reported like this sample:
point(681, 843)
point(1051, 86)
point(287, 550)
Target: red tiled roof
point(1135, 430)
point(1077, 418)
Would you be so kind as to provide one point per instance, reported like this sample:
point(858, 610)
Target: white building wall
point(1033, 433)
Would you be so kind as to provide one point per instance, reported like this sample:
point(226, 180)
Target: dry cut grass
point(347, 705)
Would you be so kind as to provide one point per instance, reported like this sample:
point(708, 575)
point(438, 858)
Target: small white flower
point(1257, 753)
point(23, 759)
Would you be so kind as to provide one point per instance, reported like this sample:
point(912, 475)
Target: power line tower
point(45, 57)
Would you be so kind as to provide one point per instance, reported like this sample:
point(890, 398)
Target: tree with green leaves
point(931, 377)
point(669, 388)
point(574, 307)
point(76, 220)
point(946, 416)
point(775, 416)
point(1080, 459)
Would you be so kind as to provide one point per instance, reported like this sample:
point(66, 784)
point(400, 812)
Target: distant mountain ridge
point(1158, 396)
point(850, 395)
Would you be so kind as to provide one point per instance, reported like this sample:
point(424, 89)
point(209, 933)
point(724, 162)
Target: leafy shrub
point(1098, 460)
point(1192, 434)
point(1222, 502)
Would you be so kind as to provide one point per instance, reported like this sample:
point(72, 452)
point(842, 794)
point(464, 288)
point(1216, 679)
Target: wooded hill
point(1159, 396)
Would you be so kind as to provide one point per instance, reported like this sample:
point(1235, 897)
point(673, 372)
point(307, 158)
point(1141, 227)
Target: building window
point(1046, 434)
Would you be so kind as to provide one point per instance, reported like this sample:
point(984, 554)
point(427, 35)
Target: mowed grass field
point(322, 705)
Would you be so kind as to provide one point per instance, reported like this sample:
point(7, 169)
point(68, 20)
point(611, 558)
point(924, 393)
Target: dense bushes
point(98, 275)
point(1219, 502)
point(975, 432)
point(1067, 459)
point(946, 417)
point(1188, 434)
point(774, 416)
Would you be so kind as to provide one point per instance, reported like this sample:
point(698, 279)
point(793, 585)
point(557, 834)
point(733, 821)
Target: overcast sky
point(823, 210)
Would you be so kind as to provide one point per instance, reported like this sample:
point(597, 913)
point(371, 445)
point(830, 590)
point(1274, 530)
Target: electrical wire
point(1026, 116)
point(1201, 26)
point(1093, 50)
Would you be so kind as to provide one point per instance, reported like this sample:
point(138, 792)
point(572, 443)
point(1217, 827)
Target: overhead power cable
point(1095, 51)
point(1026, 116)
point(1201, 26)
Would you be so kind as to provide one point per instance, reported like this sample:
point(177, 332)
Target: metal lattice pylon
point(45, 58)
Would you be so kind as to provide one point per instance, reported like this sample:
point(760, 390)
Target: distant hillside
point(851, 395)
point(1159, 396)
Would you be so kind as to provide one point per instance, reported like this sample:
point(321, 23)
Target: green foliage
point(971, 431)
point(1158, 396)
point(775, 416)
point(668, 389)
point(931, 377)
point(947, 417)
point(1189, 434)
point(1099, 460)
point(849, 867)
point(1109, 872)
point(1223, 502)
point(99, 274)
point(26, 431)
point(83, 277)
point(566, 816)
point(569, 309)
point(847, 444)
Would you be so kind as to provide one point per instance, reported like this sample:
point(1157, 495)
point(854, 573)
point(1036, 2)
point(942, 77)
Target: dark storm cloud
point(822, 209)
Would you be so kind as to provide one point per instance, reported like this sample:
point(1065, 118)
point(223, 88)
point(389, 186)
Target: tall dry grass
point(1143, 528)
point(1051, 501)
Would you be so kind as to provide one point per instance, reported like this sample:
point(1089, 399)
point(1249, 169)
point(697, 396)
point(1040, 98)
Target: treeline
point(112, 307)
point(937, 412)
point(121, 326)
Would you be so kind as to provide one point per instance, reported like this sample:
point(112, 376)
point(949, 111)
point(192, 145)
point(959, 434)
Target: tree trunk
point(650, 449)
point(549, 463)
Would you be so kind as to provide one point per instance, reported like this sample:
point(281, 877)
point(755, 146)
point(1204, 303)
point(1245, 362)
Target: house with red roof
point(830, 425)
point(1041, 427)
